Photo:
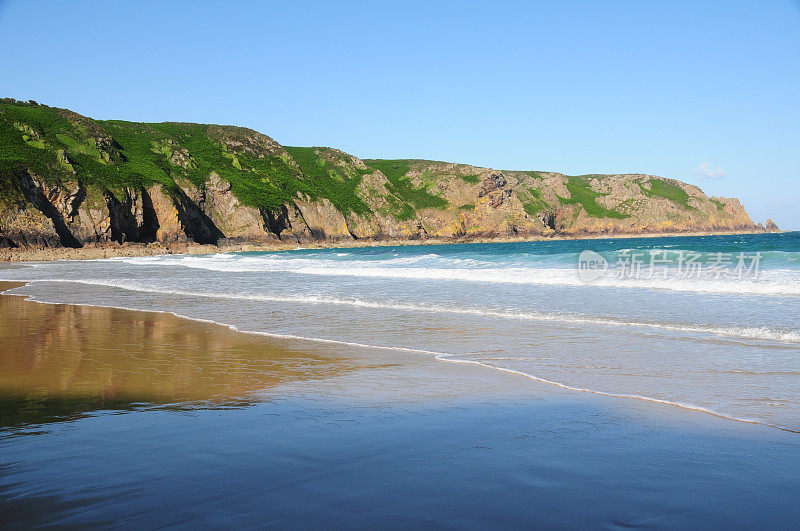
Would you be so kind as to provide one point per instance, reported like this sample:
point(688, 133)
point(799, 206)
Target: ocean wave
point(783, 282)
point(749, 333)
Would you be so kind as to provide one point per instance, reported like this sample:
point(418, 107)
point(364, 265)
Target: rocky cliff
point(68, 180)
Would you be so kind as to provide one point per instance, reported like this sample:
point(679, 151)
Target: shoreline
point(101, 251)
point(244, 430)
point(361, 372)
point(656, 405)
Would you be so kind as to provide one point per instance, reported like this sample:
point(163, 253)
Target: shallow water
point(296, 463)
point(58, 362)
point(718, 342)
point(114, 418)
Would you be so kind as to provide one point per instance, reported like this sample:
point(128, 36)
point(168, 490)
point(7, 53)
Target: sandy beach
point(147, 419)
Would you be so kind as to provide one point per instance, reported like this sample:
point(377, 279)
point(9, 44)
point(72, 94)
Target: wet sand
point(64, 351)
point(59, 361)
point(116, 417)
point(61, 352)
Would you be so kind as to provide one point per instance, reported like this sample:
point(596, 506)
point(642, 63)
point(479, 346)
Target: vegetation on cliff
point(97, 180)
point(396, 171)
point(581, 193)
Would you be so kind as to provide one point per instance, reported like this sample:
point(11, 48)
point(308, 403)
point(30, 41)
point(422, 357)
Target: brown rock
point(494, 181)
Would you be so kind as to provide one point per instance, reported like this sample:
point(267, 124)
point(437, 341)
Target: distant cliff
point(68, 180)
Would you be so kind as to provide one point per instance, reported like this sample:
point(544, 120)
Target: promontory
point(71, 181)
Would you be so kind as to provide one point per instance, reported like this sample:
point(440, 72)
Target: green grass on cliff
point(667, 190)
point(60, 146)
point(396, 172)
point(54, 137)
point(720, 205)
point(398, 209)
point(532, 201)
point(264, 182)
point(330, 180)
point(582, 194)
point(20, 150)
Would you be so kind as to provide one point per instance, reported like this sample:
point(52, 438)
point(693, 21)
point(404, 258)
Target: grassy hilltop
point(97, 180)
point(60, 145)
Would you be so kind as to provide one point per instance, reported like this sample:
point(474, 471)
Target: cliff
point(68, 180)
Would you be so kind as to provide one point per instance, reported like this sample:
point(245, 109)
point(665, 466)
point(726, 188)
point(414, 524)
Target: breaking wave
point(437, 268)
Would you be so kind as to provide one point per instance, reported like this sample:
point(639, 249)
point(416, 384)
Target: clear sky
point(705, 92)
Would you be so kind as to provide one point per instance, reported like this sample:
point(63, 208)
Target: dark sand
point(113, 417)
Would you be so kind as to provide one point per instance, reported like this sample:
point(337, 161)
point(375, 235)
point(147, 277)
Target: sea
point(708, 324)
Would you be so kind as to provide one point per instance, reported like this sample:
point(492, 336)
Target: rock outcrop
point(181, 183)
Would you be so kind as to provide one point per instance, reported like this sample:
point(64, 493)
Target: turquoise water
point(706, 337)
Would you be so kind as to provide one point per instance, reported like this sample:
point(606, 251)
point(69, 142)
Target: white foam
point(438, 268)
point(757, 333)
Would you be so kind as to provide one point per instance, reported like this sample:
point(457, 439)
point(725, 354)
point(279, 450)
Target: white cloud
point(705, 172)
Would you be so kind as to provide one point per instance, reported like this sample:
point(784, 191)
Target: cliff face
point(68, 180)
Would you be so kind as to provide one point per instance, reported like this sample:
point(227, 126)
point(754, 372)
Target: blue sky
point(705, 92)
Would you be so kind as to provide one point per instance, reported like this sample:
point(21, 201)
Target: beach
point(431, 386)
point(385, 265)
point(345, 437)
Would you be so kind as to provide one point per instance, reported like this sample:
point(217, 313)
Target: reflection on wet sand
point(60, 360)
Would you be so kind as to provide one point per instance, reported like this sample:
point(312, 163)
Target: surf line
point(449, 358)
point(438, 356)
point(734, 332)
